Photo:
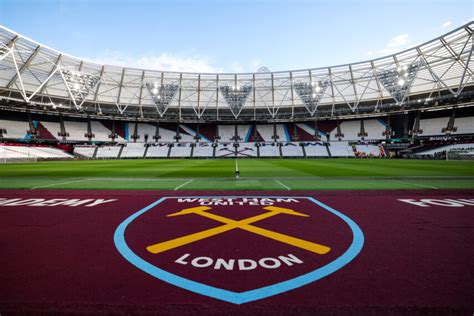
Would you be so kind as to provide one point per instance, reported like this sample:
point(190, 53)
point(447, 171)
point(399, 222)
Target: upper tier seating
point(291, 150)
point(266, 131)
point(142, 130)
point(464, 125)
point(15, 129)
point(190, 132)
point(226, 132)
point(76, 130)
point(350, 130)
point(308, 129)
point(242, 131)
point(374, 129)
point(53, 127)
point(433, 126)
point(101, 133)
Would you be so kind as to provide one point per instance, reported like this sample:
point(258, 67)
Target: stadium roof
point(41, 76)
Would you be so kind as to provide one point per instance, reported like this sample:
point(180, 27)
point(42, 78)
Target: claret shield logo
point(239, 249)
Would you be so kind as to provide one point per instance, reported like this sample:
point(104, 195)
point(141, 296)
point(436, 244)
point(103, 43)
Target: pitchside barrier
point(17, 160)
point(460, 154)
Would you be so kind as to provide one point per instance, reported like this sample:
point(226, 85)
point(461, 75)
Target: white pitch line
point(55, 184)
point(415, 184)
point(283, 185)
point(183, 184)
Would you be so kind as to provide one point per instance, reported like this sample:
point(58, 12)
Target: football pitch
point(255, 174)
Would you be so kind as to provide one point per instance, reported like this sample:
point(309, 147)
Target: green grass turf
point(256, 174)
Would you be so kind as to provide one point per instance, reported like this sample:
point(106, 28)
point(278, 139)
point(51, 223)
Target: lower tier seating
point(341, 149)
point(7, 152)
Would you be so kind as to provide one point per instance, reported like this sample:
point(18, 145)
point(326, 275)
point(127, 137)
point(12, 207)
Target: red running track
point(415, 259)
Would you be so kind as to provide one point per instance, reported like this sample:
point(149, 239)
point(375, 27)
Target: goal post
point(237, 172)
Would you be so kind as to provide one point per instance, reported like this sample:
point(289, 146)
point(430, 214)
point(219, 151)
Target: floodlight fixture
point(398, 81)
point(311, 93)
point(162, 95)
point(235, 97)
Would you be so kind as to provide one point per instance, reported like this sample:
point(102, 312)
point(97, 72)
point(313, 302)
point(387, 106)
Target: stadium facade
point(391, 103)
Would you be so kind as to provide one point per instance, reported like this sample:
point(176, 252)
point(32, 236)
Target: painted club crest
point(239, 249)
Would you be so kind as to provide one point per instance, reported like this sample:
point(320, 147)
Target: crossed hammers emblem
point(245, 224)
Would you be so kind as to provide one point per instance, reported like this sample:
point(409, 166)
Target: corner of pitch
point(226, 224)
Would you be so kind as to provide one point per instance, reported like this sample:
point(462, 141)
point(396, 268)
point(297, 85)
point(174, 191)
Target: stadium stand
point(142, 130)
point(292, 150)
point(433, 126)
point(100, 132)
point(133, 150)
point(204, 150)
point(388, 120)
point(207, 132)
point(135, 137)
point(243, 132)
point(225, 150)
point(375, 129)
point(14, 129)
point(368, 151)
point(159, 150)
point(464, 125)
point(341, 149)
point(269, 150)
point(315, 150)
point(247, 150)
point(226, 132)
point(267, 132)
point(306, 132)
point(85, 151)
point(108, 152)
point(42, 132)
point(442, 149)
point(76, 130)
point(182, 150)
point(349, 130)
point(53, 127)
point(7, 152)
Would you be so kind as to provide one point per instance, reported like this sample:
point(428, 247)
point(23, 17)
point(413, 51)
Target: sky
point(232, 35)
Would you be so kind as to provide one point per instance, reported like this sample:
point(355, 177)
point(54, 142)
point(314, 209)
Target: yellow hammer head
point(190, 210)
point(283, 210)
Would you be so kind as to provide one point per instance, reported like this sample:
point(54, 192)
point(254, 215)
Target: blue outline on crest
point(247, 296)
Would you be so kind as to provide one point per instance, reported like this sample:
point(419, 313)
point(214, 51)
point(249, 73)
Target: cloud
point(236, 67)
point(394, 45)
point(446, 24)
point(398, 41)
point(164, 61)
